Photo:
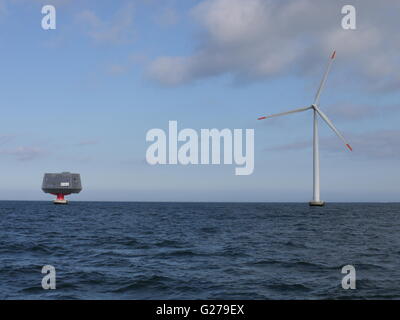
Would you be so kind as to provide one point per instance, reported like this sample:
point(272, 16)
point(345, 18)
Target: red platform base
point(60, 199)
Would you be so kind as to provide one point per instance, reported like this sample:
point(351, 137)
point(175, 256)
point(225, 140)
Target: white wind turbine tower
point(316, 201)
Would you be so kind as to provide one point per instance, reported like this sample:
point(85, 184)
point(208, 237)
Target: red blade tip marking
point(348, 146)
point(333, 55)
point(262, 118)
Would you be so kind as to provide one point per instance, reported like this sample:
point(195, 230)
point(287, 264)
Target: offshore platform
point(61, 184)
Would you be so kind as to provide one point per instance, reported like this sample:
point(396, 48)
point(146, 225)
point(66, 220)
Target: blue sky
point(81, 98)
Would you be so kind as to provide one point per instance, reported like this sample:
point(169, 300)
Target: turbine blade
point(321, 86)
point(330, 124)
point(284, 113)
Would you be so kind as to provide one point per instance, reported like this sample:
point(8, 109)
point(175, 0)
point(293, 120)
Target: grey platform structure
point(61, 184)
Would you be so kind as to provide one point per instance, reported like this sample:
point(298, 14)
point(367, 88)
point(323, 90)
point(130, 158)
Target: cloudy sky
point(81, 98)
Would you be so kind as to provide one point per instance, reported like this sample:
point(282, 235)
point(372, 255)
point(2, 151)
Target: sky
point(82, 97)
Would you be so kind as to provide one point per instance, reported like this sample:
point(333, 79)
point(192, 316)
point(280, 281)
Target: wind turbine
point(316, 201)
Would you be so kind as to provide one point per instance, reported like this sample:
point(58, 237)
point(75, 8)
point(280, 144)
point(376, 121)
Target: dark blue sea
point(115, 250)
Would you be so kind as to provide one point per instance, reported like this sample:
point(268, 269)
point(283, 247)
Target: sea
point(144, 250)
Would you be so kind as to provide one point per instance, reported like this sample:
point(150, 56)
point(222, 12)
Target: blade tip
point(262, 118)
point(348, 146)
point(333, 55)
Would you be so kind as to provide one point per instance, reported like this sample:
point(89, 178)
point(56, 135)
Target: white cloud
point(87, 142)
point(261, 38)
point(23, 153)
point(117, 30)
point(172, 70)
point(6, 138)
point(116, 69)
point(3, 7)
point(167, 17)
point(122, 67)
point(350, 112)
point(379, 144)
point(382, 144)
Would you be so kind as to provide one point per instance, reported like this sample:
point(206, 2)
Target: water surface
point(115, 250)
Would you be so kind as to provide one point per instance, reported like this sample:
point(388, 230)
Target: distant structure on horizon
point(61, 184)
